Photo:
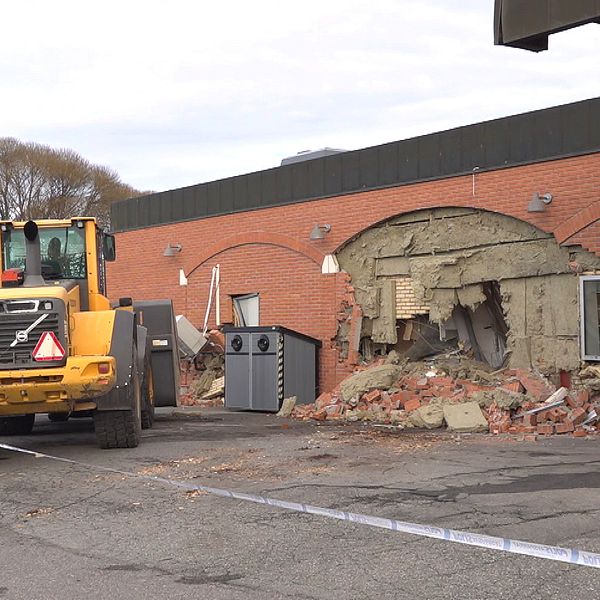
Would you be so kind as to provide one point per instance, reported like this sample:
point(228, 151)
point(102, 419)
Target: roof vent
point(310, 155)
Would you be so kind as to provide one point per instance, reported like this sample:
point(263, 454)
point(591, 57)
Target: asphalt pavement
point(71, 532)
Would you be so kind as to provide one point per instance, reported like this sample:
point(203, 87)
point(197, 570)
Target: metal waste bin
point(264, 365)
point(158, 317)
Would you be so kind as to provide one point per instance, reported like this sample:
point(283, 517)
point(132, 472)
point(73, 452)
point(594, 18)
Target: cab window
point(62, 250)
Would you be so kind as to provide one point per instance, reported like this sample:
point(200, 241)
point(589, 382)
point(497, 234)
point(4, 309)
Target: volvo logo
point(22, 336)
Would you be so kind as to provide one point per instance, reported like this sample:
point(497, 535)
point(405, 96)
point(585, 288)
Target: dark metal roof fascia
point(537, 136)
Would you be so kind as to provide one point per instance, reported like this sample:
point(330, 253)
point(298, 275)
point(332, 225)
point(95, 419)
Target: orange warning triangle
point(48, 348)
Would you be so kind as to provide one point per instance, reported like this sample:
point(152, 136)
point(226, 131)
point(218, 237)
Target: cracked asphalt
point(69, 532)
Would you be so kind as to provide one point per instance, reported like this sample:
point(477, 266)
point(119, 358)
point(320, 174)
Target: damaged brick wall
point(142, 271)
point(451, 256)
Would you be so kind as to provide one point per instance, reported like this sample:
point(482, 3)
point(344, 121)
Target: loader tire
point(121, 428)
point(147, 396)
point(21, 425)
point(59, 417)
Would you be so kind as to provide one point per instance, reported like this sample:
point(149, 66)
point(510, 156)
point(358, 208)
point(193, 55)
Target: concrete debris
point(216, 389)
point(431, 395)
point(287, 406)
point(430, 416)
point(465, 418)
point(501, 397)
point(381, 377)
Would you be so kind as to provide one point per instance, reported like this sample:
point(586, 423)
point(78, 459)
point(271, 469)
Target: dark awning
point(527, 23)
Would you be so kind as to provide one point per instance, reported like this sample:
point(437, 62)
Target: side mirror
point(109, 247)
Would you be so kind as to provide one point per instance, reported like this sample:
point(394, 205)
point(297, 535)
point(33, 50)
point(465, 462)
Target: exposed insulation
point(447, 256)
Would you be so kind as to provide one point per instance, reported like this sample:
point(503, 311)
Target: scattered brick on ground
point(512, 401)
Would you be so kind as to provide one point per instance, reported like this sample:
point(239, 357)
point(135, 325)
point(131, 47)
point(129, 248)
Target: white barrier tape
point(572, 556)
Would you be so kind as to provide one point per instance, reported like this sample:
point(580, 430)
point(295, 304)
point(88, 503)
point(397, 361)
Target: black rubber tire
point(147, 395)
point(59, 417)
point(122, 428)
point(20, 425)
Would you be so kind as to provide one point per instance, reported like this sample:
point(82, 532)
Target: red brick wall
point(588, 237)
point(269, 251)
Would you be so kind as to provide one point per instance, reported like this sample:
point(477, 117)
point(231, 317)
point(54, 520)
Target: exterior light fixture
point(538, 202)
point(319, 231)
point(172, 249)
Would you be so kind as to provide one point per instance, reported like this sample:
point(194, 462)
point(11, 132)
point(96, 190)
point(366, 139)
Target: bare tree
point(39, 182)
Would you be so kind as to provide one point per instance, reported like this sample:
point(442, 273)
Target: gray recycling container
point(264, 365)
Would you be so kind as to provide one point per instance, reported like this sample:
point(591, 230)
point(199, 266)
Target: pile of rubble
point(462, 396)
point(205, 375)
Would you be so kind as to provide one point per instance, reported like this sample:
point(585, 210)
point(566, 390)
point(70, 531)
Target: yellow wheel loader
point(64, 350)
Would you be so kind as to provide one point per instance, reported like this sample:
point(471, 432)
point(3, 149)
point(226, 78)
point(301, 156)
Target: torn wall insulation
point(453, 257)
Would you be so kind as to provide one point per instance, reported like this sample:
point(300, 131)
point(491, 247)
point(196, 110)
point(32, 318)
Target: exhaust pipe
point(33, 256)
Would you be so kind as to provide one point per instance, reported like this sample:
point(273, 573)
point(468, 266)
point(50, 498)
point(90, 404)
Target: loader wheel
point(59, 417)
point(21, 425)
point(147, 396)
point(121, 428)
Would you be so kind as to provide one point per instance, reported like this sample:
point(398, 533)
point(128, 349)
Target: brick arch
point(577, 222)
point(357, 234)
point(257, 237)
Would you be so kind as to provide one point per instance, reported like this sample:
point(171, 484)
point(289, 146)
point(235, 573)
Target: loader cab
point(62, 252)
point(72, 254)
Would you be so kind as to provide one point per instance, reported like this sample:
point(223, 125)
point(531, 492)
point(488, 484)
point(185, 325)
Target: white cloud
point(171, 94)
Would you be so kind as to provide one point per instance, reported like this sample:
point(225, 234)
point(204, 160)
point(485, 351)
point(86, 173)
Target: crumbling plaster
point(449, 253)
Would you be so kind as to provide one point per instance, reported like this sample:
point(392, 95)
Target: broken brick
point(444, 391)
point(580, 433)
point(545, 428)
point(412, 404)
point(458, 395)
point(530, 420)
point(565, 427)
point(372, 396)
point(513, 386)
point(578, 416)
point(534, 386)
point(471, 388)
point(410, 383)
point(323, 400)
point(398, 399)
point(334, 410)
point(501, 426)
point(320, 415)
point(442, 381)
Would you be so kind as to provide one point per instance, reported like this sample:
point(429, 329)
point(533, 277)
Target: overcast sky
point(175, 93)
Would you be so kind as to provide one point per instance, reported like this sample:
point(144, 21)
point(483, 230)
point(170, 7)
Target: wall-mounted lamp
point(319, 231)
point(539, 202)
point(172, 249)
